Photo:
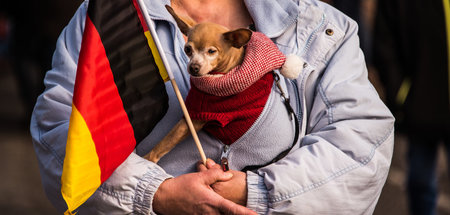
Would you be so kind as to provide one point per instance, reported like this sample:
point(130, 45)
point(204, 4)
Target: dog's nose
point(194, 69)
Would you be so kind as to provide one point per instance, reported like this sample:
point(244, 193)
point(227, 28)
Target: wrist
point(160, 198)
point(146, 188)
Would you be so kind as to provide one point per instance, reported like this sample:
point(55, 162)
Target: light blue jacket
point(338, 166)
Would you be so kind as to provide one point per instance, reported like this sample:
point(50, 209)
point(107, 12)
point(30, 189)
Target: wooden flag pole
point(172, 79)
point(188, 120)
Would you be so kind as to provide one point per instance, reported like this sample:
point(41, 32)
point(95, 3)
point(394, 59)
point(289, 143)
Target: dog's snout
point(194, 69)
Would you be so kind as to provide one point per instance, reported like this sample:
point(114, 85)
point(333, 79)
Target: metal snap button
point(329, 32)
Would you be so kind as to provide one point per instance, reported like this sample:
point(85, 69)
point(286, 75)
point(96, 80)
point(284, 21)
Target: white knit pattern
point(261, 56)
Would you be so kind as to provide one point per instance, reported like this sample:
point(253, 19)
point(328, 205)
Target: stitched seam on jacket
point(312, 35)
point(372, 152)
point(51, 149)
point(287, 22)
point(110, 192)
point(335, 174)
point(315, 185)
point(327, 103)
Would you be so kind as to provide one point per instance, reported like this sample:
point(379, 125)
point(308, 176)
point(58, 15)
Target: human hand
point(192, 194)
point(234, 189)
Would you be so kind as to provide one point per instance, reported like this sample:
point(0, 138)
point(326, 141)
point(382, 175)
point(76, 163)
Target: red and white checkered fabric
point(261, 56)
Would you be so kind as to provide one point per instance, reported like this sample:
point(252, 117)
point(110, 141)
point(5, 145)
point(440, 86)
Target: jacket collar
point(157, 9)
point(271, 17)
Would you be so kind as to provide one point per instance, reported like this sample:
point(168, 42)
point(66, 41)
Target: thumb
point(212, 176)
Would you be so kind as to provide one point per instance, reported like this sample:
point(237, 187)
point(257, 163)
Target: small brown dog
point(211, 49)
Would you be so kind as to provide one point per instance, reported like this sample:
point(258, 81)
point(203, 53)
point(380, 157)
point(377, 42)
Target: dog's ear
point(184, 23)
point(238, 38)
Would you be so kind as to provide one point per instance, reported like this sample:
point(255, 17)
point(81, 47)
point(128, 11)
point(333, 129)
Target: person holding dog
point(338, 164)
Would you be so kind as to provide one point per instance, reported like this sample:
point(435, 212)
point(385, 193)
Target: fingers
point(201, 167)
point(228, 207)
point(210, 164)
point(212, 176)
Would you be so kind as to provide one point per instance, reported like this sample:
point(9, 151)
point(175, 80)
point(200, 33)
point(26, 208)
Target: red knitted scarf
point(232, 102)
point(261, 56)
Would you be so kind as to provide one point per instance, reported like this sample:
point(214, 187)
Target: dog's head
point(211, 48)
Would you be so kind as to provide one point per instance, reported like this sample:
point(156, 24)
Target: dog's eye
point(212, 51)
point(188, 50)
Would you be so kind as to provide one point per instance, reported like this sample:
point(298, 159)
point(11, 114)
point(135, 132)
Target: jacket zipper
point(224, 158)
point(300, 94)
point(297, 101)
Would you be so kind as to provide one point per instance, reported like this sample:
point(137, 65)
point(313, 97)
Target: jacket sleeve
point(131, 187)
point(344, 158)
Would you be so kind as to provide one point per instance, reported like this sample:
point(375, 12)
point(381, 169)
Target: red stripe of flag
point(141, 17)
point(98, 100)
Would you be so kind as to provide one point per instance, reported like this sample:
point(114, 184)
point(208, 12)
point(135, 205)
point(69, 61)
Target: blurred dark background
point(28, 33)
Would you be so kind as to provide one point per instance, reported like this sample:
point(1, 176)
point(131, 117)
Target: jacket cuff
point(256, 193)
point(147, 188)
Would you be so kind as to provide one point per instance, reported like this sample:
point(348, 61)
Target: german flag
point(119, 96)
